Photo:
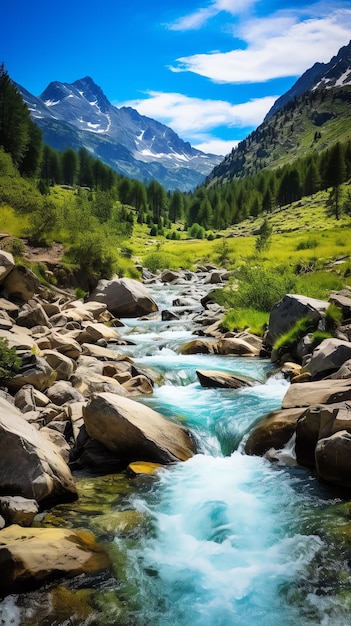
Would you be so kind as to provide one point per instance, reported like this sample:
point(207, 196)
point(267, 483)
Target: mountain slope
point(335, 73)
point(313, 120)
point(79, 114)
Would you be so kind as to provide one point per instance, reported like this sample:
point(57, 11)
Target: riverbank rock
point(333, 459)
point(135, 432)
point(328, 357)
point(319, 392)
point(31, 557)
point(124, 297)
point(21, 284)
point(272, 431)
point(218, 379)
point(290, 309)
point(30, 465)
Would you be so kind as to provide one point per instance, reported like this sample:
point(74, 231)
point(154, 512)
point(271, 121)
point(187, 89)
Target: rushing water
point(226, 539)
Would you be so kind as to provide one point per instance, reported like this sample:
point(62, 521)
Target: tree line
point(212, 206)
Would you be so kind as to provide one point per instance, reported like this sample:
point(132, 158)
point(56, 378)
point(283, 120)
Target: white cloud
point(216, 146)
point(197, 19)
point(190, 116)
point(277, 46)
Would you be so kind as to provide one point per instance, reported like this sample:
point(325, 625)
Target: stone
point(31, 557)
point(290, 309)
point(333, 459)
point(18, 510)
point(272, 431)
point(343, 372)
point(63, 392)
point(94, 331)
point(134, 431)
point(124, 297)
point(18, 339)
point(218, 379)
point(329, 356)
point(138, 468)
point(237, 346)
point(168, 276)
point(199, 346)
point(34, 371)
point(138, 384)
point(30, 466)
point(65, 345)
point(7, 264)
point(317, 392)
point(24, 399)
point(88, 381)
point(21, 284)
point(62, 365)
point(33, 316)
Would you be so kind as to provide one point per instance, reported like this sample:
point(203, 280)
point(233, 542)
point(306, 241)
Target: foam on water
point(224, 544)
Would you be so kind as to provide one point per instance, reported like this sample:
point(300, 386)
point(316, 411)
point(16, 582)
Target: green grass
point(246, 319)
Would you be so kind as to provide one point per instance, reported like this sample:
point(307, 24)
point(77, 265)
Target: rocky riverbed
point(75, 402)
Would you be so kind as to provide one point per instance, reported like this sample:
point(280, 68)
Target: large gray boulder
point(135, 432)
point(30, 465)
point(226, 380)
point(329, 356)
point(124, 297)
point(290, 309)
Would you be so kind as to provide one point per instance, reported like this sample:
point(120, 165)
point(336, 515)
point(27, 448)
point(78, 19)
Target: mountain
point(333, 74)
point(79, 114)
point(313, 115)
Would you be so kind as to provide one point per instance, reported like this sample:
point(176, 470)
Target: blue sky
point(209, 69)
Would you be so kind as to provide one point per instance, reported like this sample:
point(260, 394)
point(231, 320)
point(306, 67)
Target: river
point(224, 539)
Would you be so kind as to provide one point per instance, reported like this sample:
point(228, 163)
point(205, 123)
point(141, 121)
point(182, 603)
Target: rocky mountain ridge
point(313, 115)
point(79, 114)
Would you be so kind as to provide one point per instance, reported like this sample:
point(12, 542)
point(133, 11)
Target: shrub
point(196, 231)
point(10, 362)
point(259, 288)
point(307, 244)
point(93, 254)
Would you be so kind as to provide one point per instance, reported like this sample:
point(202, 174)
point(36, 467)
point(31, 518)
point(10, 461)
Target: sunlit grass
point(13, 223)
point(246, 319)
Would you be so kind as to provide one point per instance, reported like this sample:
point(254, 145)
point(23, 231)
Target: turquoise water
point(236, 539)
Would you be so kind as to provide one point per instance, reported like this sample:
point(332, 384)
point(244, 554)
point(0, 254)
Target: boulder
point(169, 276)
point(64, 344)
point(19, 339)
point(18, 510)
point(318, 422)
point(94, 331)
point(134, 431)
point(62, 365)
point(290, 309)
point(21, 284)
point(272, 431)
point(30, 466)
point(343, 301)
point(218, 379)
point(33, 556)
point(237, 346)
point(7, 264)
point(33, 316)
point(329, 356)
point(124, 297)
point(344, 371)
point(34, 371)
point(63, 392)
point(88, 381)
point(199, 346)
point(333, 459)
point(319, 392)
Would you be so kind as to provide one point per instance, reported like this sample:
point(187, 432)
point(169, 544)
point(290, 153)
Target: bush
point(246, 319)
point(93, 254)
point(333, 316)
point(259, 288)
point(307, 244)
point(10, 362)
point(196, 231)
point(160, 261)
